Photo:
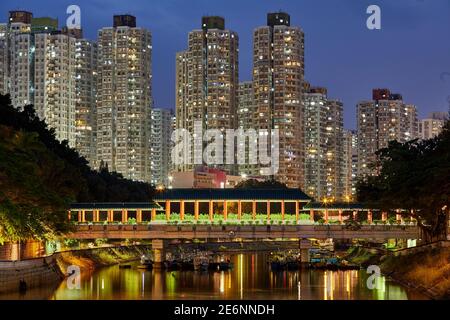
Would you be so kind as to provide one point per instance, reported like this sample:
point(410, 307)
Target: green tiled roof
point(116, 205)
point(336, 206)
point(231, 194)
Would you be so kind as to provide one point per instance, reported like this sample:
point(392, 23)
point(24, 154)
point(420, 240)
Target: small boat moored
point(146, 263)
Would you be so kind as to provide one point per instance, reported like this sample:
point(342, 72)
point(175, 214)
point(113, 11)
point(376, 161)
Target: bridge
point(235, 213)
point(255, 232)
point(211, 205)
point(160, 234)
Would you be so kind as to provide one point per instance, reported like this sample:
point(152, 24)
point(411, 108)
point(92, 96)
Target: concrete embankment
point(91, 259)
point(51, 270)
point(424, 268)
point(26, 274)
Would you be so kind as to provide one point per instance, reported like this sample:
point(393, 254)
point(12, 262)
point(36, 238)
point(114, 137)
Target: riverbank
point(425, 269)
point(49, 271)
point(27, 274)
point(19, 276)
point(91, 259)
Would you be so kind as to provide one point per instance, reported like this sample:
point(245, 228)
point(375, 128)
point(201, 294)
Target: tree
point(255, 184)
point(415, 177)
point(40, 177)
point(36, 188)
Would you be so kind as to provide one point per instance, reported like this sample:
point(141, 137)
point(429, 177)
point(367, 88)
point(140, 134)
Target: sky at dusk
point(410, 54)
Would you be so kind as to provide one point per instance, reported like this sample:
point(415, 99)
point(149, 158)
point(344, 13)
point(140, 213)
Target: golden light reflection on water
point(251, 278)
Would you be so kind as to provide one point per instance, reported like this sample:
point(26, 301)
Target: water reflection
point(251, 278)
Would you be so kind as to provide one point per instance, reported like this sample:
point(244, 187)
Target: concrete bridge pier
point(304, 245)
point(159, 253)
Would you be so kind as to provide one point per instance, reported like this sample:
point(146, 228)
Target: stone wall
point(31, 273)
point(27, 250)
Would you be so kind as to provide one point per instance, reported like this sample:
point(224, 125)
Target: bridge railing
point(160, 231)
point(239, 223)
point(173, 228)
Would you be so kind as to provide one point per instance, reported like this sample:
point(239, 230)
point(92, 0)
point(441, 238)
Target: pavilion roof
point(231, 194)
point(116, 205)
point(336, 206)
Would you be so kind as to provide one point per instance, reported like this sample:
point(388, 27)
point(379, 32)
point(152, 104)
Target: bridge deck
point(156, 231)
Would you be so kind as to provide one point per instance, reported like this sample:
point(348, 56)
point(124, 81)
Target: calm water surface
point(251, 278)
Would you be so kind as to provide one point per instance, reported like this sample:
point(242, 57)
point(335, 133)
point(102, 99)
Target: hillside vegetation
point(40, 177)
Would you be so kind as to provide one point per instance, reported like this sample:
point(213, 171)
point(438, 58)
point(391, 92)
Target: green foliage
point(304, 216)
point(71, 243)
point(101, 241)
point(255, 184)
point(414, 176)
point(132, 221)
point(36, 188)
point(40, 177)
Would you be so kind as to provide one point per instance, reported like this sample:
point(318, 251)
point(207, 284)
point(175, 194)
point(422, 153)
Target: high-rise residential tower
point(245, 114)
point(86, 97)
point(162, 126)
point(4, 58)
point(207, 77)
point(41, 70)
point(278, 73)
point(383, 119)
point(20, 53)
point(324, 175)
point(432, 125)
point(350, 164)
point(124, 98)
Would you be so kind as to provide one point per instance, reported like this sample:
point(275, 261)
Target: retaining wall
point(32, 272)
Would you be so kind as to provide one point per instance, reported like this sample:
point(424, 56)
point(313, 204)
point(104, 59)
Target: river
point(251, 278)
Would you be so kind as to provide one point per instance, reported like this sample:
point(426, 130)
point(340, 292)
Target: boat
point(124, 266)
point(146, 263)
point(213, 265)
point(187, 265)
point(225, 265)
point(172, 265)
point(201, 263)
point(293, 265)
point(277, 266)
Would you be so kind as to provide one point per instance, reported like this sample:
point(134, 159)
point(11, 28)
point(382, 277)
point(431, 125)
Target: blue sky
point(410, 54)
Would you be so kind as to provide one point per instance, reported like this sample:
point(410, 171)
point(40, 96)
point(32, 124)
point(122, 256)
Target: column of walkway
point(225, 209)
